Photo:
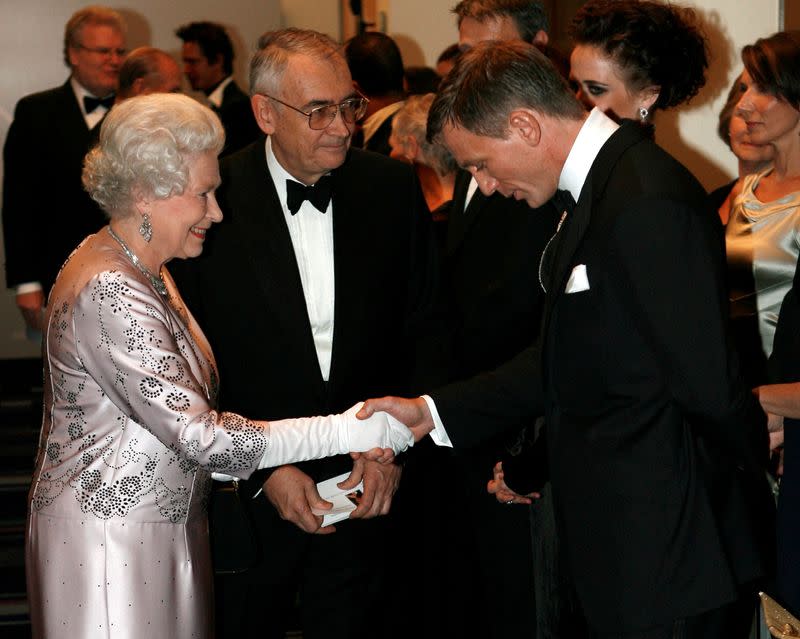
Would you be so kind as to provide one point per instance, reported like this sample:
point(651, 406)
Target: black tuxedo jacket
point(492, 253)
point(246, 293)
point(46, 212)
point(237, 119)
point(656, 449)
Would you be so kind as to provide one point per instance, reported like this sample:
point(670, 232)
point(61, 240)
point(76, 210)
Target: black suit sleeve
point(476, 410)
point(669, 251)
point(21, 212)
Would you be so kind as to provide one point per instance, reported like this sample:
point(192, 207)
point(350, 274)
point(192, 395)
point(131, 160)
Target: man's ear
point(72, 56)
point(217, 62)
point(526, 125)
point(264, 112)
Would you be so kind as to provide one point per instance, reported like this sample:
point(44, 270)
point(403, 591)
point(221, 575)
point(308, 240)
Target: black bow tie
point(90, 103)
point(563, 201)
point(318, 194)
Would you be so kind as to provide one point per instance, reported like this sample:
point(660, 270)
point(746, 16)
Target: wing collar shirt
point(312, 238)
point(594, 133)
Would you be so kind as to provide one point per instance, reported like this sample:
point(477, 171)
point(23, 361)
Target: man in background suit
point(208, 63)
point(491, 271)
point(376, 65)
point(148, 70)
point(312, 304)
point(656, 450)
point(46, 212)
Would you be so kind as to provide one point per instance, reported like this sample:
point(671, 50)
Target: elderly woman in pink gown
point(117, 539)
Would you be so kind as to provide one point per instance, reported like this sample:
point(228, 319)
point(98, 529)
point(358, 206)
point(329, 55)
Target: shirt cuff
point(28, 287)
point(438, 434)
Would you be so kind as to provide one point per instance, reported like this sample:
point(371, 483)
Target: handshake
point(378, 431)
point(364, 428)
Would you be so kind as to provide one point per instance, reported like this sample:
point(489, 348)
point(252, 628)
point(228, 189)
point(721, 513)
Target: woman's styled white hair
point(146, 145)
point(412, 119)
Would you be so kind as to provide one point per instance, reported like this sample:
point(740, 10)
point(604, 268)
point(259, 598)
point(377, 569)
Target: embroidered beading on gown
point(117, 539)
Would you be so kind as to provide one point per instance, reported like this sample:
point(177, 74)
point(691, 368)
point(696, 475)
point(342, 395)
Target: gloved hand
point(384, 432)
point(302, 438)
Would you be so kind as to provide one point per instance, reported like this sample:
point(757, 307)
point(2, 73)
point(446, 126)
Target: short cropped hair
point(375, 63)
point(653, 43)
point(412, 119)
point(142, 62)
point(146, 145)
point(94, 15)
point(271, 58)
point(212, 39)
point(528, 16)
point(494, 78)
point(774, 65)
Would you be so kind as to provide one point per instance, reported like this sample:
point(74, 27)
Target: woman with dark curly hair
point(632, 57)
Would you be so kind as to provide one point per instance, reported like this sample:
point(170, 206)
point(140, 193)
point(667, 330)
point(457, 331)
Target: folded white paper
point(343, 504)
point(578, 280)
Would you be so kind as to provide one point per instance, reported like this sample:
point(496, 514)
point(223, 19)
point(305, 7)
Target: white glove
point(302, 438)
point(380, 430)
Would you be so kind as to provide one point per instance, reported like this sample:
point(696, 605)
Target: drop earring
point(145, 228)
point(643, 113)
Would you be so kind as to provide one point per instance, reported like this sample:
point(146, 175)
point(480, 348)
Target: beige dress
point(117, 538)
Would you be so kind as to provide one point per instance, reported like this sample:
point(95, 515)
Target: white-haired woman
point(117, 540)
point(435, 167)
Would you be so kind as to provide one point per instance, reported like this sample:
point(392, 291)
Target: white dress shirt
point(312, 238)
point(594, 133)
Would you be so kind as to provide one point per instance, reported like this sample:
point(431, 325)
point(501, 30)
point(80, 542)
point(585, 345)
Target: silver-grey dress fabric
point(762, 242)
point(117, 538)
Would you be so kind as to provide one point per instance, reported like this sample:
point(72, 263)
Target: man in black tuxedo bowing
point(313, 291)
point(656, 450)
point(46, 212)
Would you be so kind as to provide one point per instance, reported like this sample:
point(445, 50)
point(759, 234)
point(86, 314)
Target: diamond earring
point(145, 228)
point(643, 113)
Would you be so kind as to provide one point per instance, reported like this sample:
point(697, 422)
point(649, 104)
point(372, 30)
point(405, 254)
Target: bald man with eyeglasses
point(46, 211)
point(324, 272)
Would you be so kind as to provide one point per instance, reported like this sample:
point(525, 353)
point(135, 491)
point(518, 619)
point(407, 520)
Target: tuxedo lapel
point(348, 269)
point(461, 220)
point(73, 124)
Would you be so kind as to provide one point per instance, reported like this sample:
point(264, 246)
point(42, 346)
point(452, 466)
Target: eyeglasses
point(321, 117)
point(103, 51)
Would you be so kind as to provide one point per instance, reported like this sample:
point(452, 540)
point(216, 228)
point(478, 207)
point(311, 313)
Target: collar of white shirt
point(215, 97)
point(80, 91)
point(594, 133)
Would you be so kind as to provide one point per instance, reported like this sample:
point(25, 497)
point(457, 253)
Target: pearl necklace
point(157, 282)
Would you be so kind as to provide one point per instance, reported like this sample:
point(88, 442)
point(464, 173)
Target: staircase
point(20, 420)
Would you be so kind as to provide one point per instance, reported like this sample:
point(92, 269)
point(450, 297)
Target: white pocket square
point(578, 280)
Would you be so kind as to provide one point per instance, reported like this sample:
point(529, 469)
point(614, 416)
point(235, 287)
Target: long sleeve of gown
point(137, 352)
